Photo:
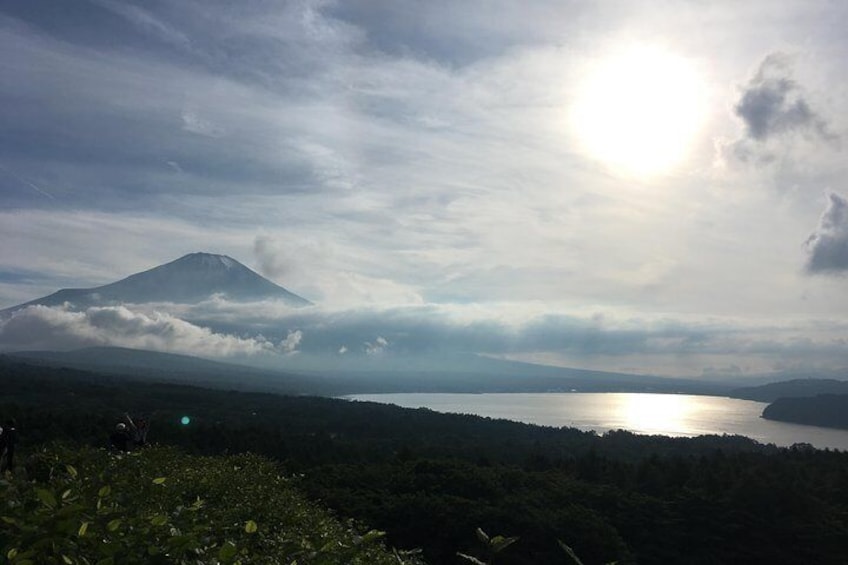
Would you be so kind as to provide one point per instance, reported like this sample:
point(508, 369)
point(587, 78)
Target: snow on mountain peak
point(210, 260)
point(190, 279)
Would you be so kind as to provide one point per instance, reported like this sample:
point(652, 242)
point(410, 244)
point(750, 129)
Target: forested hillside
point(828, 410)
point(430, 480)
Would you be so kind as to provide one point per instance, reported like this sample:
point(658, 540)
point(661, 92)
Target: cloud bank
point(267, 332)
point(42, 327)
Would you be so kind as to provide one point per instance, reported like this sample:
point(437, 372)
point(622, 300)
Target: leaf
point(12, 553)
point(82, 529)
point(113, 524)
point(67, 559)
point(159, 520)
point(9, 520)
point(104, 491)
point(250, 527)
point(471, 558)
point(570, 552)
point(227, 551)
point(46, 497)
point(499, 543)
point(371, 536)
point(72, 471)
point(159, 480)
point(482, 536)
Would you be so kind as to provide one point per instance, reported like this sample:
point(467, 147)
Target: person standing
point(120, 439)
point(8, 441)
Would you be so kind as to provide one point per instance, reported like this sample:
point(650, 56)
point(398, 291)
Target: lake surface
point(664, 414)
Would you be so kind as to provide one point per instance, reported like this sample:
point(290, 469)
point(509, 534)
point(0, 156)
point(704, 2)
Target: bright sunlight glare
point(656, 413)
point(638, 111)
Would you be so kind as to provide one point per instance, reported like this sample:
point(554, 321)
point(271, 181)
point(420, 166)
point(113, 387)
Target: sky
point(655, 187)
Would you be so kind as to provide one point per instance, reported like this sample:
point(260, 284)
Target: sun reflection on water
point(657, 413)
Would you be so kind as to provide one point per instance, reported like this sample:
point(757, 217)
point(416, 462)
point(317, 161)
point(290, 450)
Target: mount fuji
point(188, 280)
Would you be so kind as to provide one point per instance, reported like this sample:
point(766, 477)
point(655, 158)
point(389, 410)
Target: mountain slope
point(795, 388)
point(470, 374)
point(173, 368)
point(189, 279)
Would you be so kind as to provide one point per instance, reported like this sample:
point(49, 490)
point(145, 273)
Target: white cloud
point(146, 21)
point(659, 345)
point(292, 341)
point(376, 347)
point(41, 327)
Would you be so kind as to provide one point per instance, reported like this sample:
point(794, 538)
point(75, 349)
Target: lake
point(664, 414)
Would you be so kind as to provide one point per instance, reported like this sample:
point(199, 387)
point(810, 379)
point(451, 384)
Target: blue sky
point(550, 175)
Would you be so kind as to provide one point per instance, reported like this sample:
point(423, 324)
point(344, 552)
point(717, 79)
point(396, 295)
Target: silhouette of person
point(120, 439)
point(142, 425)
point(8, 441)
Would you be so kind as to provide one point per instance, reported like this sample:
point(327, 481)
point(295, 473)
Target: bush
point(158, 505)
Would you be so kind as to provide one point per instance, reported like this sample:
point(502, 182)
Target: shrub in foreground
point(91, 507)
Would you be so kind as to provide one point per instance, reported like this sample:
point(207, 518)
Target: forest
point(430, 481)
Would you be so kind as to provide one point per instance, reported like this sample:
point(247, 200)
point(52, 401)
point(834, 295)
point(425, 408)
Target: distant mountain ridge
point(490, 375)
point(158, 366)
point(795, 388)
point(190, 279)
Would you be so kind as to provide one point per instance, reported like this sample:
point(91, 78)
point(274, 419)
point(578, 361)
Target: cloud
point(437, 337)
point(272, 258)
point(377, 347)
point(828, 244)
point(146, 22)
point(42, 327)
point(292, 341)
point(774, 107)
point(312, 266)
point(433, 333)
point(192, 122)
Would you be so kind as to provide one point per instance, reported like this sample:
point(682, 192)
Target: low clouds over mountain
point(58, 327)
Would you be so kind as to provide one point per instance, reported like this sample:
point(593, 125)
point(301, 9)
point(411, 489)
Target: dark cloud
point(828, 244)
point(774, 104)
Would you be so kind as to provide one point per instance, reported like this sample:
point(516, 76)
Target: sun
point(638, 110)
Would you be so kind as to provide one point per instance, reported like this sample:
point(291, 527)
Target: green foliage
point(91, 507)
point(491, 547)
point(428, 479)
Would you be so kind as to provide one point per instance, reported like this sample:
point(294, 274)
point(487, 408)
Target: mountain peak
point(190, 279)
point(211, 260)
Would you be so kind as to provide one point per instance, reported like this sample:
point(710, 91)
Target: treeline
point(430, 479)
point(827, 410)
